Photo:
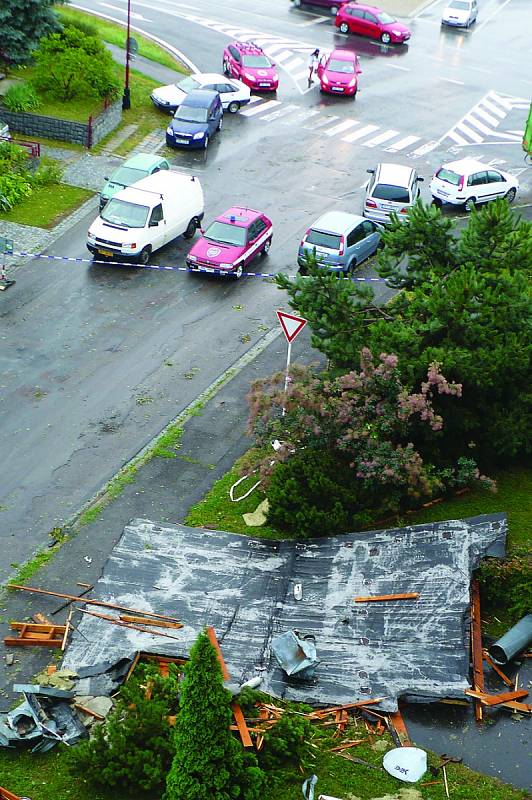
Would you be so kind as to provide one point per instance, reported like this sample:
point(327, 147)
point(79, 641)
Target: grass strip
point(47, 206)
point(115, 34)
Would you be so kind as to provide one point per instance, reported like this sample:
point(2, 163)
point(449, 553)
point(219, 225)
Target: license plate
point(207, 269)
point(105, 252)
point(337, 89)
point(264, 84)
point(181, 141)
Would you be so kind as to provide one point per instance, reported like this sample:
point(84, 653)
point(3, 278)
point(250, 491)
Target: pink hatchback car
point(231, 242)
point(338, 73)
point(249, 63)
point(371, 21)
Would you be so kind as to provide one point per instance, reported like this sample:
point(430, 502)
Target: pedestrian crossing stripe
point(483, 120)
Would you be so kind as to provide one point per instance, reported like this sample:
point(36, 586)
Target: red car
point(231, 242)
point(249, 63)
point(371, 21)
point(338, 73)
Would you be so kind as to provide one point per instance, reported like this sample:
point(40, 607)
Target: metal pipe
point(513, 642)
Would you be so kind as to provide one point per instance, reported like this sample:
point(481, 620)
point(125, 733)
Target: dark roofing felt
point(243, 587)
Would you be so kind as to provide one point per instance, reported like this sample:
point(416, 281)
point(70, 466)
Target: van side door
point(157, 227)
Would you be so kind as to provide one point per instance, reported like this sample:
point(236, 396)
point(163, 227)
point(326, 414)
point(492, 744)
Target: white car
point(460, 13)
point(392, 187)
point(233, 93)
point(468, 182)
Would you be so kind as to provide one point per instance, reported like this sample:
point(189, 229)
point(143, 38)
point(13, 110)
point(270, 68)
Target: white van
point(142, 218)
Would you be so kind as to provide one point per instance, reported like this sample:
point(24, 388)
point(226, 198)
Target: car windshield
point(322, 239)
point(120, 212)
point(226, 233)
point(125, 176)
point(256, 62)
point(187, 84)
point(448, 176)
point(385, 18)
point(459, 5)
point(386, 191)
point(191, 114)
point(335, 65)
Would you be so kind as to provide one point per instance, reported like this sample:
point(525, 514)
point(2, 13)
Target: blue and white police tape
point(164, 268)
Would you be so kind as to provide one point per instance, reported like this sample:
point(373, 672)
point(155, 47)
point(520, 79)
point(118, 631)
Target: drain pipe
point(513, 642)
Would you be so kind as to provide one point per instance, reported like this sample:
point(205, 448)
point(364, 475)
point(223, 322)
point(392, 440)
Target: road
point(96, 360)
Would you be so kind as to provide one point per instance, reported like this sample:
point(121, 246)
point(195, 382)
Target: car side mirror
point(106, 177)
point(371, 171)
point(421, 179)
point(153, 223)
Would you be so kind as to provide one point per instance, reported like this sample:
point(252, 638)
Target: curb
point(170, 48)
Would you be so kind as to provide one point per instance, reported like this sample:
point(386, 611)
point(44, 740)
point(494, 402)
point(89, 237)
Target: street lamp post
point(126, 99)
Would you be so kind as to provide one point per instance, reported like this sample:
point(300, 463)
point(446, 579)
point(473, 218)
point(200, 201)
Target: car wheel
point(334, 10)
point(510, 195)
point(206, 143)
point(386, 38)
point(344, 27)
point(437, 202)
point(233, 107)
point(144, 256)
point(238, 271)
point(350, 268)
point(469, 204)
point(266, 249)
point(191, 229)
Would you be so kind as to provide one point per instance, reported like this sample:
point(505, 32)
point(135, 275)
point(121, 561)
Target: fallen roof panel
point(244, 588)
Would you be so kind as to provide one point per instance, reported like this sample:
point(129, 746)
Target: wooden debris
point(159, 623)
point(476, 646)
point(79, 599)
point(237, 711)
point(116, 621)
point(496, 668)
point(444, 772)
point(40, 619)
point(346, 745)
point(398, 724)
point(67, 628)
point(324, 712)
point(5, 795)
point(51, 668)
point(31, 635)
point(211, 633)
point(496, 699)
point(356, 760)
point(523, 708)
point(374, 598)
point(88, 711)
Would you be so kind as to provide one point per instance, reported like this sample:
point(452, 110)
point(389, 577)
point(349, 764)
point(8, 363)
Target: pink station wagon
point(371, 21)
point(231, 242)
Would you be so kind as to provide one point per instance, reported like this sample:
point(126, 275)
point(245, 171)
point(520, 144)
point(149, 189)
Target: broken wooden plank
point(346, 745)
point(75, 599)
point(324, 712)
point(374, 598)
point(159, 623)
point(241, 725)
point(116, 621)
point(6, 795)
point(476, 646)
point(40, 619)
point(67, 628)
point(523, 708)
point(88, 711)
point(496, 668)
point(496, 699)
point(211, 633)
point(35, 635)
point(397, 722)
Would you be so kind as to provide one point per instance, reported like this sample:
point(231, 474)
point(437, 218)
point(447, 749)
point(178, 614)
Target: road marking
point(324, 121)
point(396, 66)
point(490, 17)
point(425, 148)
point(316, 21)
point(473, 135)
point(296, 62)
point(400, 145)
point(343, 126)
point(382, 137)
point(283, 56)
point(280, 112)
point(299, 75)
point(352, 137)
point(479, 125)
point(132, 14)
point(485, 116)
point(493, 108)
point(451, 80)
point(250, 112)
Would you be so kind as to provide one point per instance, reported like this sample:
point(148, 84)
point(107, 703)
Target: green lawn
point(47, 777)
point(116, 34)
point(513, 497)
point(47, 206)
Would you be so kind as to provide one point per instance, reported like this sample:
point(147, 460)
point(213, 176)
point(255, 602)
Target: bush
point(86, 27)
point(507, 583)
point(47, 173)
point(13, 189)
point(71, 63)
point(21, 97)
point(287, 742)
point(134, 748)
point(12, 158)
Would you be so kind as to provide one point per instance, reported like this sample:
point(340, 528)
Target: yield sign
point(291, 325)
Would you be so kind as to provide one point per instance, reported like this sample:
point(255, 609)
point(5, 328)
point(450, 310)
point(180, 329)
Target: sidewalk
point(163, 490)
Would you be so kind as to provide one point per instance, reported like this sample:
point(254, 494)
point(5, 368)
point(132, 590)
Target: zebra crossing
point(481, 123)
point(349, 131)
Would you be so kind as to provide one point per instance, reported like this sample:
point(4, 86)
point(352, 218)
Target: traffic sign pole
point(287, 375)
point(291, 326)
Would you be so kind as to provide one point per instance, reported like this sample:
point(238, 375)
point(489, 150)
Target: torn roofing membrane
point(244, 588)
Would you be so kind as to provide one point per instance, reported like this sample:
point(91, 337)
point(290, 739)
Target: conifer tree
point(23, 23)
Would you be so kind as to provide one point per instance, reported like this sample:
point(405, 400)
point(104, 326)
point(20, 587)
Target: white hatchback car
point(460, 13)
point(391, 188)
point(233, 93)
point(468, 182)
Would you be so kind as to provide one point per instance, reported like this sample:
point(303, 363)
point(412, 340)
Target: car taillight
point(461, 183)
point(371, 204)
point(342, 244)
point(304, 239)
point(404, 211)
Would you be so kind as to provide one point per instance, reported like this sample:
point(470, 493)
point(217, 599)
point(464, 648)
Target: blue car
point(340, 242)
point(198, 118)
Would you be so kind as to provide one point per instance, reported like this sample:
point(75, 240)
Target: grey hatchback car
point(341, 241)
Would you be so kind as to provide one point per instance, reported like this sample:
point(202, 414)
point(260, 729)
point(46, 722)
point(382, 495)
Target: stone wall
point(64, 130)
